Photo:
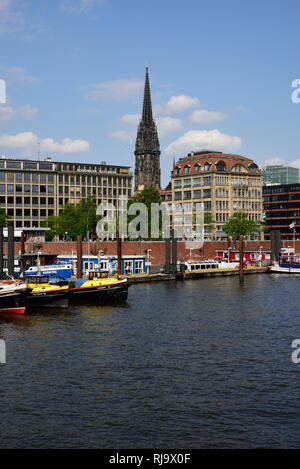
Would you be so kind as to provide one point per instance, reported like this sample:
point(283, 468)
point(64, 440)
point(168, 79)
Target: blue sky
point(221, 78)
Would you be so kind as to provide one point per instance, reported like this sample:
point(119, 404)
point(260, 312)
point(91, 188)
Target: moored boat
point(12, 310)
point(45, 293)
point(97, 287)
point(13, 297)
point(288, 263)
point(286, 267)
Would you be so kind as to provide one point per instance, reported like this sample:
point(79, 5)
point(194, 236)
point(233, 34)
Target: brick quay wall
point(208, 251)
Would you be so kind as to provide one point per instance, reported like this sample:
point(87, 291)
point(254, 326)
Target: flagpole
point(294, 236)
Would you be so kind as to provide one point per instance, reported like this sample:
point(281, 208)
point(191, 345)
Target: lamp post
point(260, 258)
point(229, 249)
point(148, 260)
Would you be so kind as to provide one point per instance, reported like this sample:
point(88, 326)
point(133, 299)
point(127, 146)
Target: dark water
point(199, 364)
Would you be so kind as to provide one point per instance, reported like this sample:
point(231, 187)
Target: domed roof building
point(220, 183)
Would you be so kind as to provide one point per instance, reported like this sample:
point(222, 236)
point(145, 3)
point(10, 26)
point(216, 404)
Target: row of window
point(48, 166)
point(196, 194)
point(220, 167)
point(204, 181)
point(285, 206)
point(10, 200)
point(284, 197)
point(242, 205)
point(26, 177)
point(11, 164)
point(222, 217)
point(87, 167)
point(28, 213)
point(282, 188)
point(187, 206)
point(290, 213)
point(93, 191)
point(94, 180)
point(26, 188)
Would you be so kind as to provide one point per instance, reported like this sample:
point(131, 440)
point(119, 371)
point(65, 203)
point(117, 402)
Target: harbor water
point(196, 364)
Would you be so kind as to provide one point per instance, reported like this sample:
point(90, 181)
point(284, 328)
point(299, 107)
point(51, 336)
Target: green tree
point(147, 196)
point(239, 225)
point(86, 215)
point(4, 218)
point(74, 220)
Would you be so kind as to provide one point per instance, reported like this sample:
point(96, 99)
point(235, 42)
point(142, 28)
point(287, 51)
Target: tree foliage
point(239, 225)
point(147, 196)
point(4, 218)
point(74, 220)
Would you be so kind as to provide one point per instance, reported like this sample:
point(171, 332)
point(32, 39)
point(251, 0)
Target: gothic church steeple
point(147, 151)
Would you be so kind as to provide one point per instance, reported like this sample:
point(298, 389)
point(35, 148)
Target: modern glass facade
point(281, 205)
point(280, 175)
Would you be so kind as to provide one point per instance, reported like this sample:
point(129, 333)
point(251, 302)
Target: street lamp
point(229, 249)
point(260, 256)
point(148, 260)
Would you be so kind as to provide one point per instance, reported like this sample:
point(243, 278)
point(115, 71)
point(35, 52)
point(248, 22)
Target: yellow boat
point(46, 293)
point(99, 287)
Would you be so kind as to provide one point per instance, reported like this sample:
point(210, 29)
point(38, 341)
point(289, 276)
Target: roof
point(213, 158)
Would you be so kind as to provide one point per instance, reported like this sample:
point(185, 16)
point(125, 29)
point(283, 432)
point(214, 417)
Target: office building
point(31, 191)
point(280, 175)
point(281, 205)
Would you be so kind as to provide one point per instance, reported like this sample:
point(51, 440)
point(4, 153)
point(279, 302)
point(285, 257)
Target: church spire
point(147, 117)
point(147, 151)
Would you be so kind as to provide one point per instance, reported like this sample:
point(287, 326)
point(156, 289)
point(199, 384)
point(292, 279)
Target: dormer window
point(197, 168)
point(221, 166)
point(253, 168)
point(187, 169)
point(207, 167)
point(177, 171)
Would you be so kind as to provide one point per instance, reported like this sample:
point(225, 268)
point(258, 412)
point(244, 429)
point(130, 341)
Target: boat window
point(43, 280)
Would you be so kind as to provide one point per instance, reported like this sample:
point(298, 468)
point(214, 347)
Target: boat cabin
point(97, 274)
point(38, 279)
point(199, 265)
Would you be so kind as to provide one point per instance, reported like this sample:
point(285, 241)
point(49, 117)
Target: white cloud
point(27, 111)
point(22, 140)
point(115, 89)
point(4, 4)
point(274, 161)
point(76, 7)
point(166, 125)
point(203, 139)
point(7, 113)
point(27, 140)
point(10, 21)
point(17, 75)
point(206, 117)
point(131, 119)
point(294, 164)
point(123, 135)
point(177, 104)
point(67, 145)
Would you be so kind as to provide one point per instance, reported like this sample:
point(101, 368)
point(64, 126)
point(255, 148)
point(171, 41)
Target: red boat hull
point(12, 310)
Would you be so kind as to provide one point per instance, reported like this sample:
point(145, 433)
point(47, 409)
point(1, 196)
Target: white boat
point(192, 266)
point(13, 297)
point(286, 267)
